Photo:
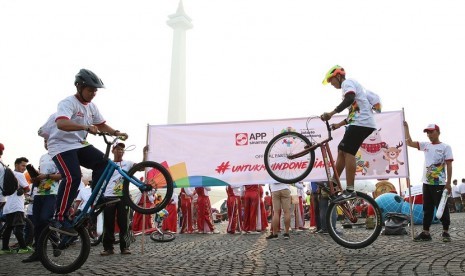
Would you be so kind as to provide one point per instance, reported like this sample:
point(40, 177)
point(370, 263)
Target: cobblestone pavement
point(304, 254)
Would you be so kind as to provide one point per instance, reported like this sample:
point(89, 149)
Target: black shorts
point(15, 219)
point(353, 138)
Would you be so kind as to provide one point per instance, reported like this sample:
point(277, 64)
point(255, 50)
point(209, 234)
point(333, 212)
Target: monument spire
point(180, 23)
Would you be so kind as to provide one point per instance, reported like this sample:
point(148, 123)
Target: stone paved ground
point(304, 254)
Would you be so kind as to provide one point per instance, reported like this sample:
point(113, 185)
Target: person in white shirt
point(119, 209)
point(44, 195)
point(75, 118)
point(360, 120)
point(457, 196)
point(462, 191)
point(437, 175)
point(14, 211)
point(281, 197)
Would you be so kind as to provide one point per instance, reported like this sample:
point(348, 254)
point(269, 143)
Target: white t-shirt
point(436, 155)
point(189, 191)
point(360, 113)
point(455, 191)
point(115, 187)
point(461, 188)
point(85, 114)
point(83, 196)
point(47, 186)
point(278, 187)
point(15, 203)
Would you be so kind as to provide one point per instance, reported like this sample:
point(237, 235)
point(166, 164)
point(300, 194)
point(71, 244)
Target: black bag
point(395, 224)
point(10, 183)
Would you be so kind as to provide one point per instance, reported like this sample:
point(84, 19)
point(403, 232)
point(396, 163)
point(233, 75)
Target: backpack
point(395, 224)
point(374, 101)
point(10, 183)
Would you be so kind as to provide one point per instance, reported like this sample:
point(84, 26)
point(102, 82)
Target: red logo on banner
point(241, 139)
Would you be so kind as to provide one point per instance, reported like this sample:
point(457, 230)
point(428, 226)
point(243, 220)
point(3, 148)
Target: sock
point(350, 188)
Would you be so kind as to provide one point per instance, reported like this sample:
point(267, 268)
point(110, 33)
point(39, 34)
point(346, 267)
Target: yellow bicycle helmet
point(333, 72)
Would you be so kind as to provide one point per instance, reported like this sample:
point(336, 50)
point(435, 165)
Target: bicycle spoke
point(153, 190)
point(277, 161)
point(63, 254)
point(354, 223)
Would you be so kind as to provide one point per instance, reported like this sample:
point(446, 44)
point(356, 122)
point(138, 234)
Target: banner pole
point(410, 198)
point(144, 200)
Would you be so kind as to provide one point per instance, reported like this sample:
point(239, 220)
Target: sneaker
point(63, 228)
point(422, 237)
point(316, 231)
point(271, 237)
point(445, 237)
point(107, 252)
point(6, 251)
point(125, 251)
point(34, 257)
point(323, 232)
point(286, 236)
point(345, 195)
point(25, 250)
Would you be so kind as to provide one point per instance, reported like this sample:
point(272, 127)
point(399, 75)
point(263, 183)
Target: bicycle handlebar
point(109, 143)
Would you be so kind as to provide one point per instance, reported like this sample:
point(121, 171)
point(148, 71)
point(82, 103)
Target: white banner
point(218, 154)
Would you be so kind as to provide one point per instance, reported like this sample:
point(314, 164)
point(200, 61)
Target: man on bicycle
point(77, 116)
point(360, 121)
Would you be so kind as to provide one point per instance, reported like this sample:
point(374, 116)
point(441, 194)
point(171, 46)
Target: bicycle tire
point(359, 234)
point(279, 166)
point(157, 178)
point(162, 237)
point(57, 253)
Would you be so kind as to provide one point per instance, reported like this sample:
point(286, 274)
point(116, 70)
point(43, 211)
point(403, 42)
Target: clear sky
point(246, 60)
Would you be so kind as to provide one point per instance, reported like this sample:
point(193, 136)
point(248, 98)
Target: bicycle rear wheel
point(162, 237)
point(362, 230)
point(63, 254)
point(155, 191)
point(277, 163)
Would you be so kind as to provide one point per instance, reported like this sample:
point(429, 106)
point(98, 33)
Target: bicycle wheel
point(162, 237)
point(279, 166)
point(351, 228)
point(63, 254)
point(155, 181)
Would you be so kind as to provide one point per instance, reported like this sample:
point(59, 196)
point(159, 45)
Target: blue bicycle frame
point(100, 188)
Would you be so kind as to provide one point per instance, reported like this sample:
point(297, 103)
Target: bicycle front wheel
point(63, 254)
point(277, 162)
point(153, 190)
point(355, 223)
point(162, 237)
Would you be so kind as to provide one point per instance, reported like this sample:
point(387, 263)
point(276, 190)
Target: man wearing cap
point(119, 209)
point(437, 175)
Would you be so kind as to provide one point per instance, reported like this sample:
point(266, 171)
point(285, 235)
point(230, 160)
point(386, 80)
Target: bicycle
point(60, 253)
point(158, 235)
point(289, 158)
